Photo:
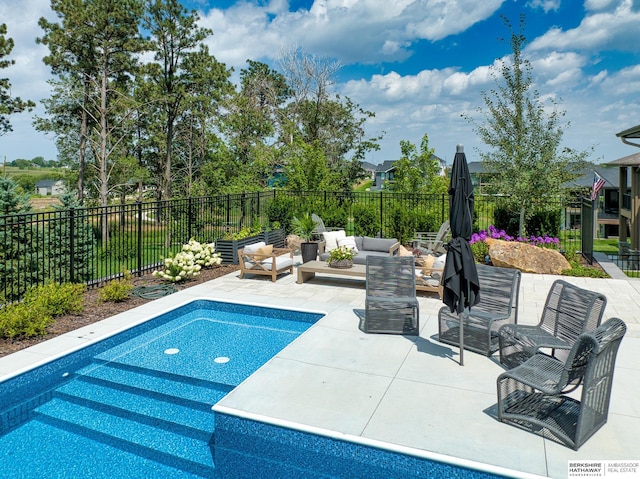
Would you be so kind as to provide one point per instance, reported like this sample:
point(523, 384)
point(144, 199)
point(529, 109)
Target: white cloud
point(366, 31)
point(614, 29)
point(545, 5)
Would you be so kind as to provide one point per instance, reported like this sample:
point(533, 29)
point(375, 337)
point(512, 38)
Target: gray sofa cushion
point(378, 244)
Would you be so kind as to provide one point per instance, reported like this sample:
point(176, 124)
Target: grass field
point(11, 171)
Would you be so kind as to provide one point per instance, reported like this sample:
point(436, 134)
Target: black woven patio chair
point(533, 395)
point(499, 291)
point(391, 305)
point(568, 312)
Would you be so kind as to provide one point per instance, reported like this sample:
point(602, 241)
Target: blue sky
point(418, 64)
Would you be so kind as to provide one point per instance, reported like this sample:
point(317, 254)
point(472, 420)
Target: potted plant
point(303, 226)
point(341, 257)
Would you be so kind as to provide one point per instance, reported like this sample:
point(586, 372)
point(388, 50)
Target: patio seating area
point(337, 380)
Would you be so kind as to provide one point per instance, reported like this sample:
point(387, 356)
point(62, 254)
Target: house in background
point(50, 187)
point(629, 199)
point(607, 206)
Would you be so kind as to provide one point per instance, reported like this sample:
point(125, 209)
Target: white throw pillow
point(331, 238)
point(438, 263)
point(252, 248)
point(349, 242)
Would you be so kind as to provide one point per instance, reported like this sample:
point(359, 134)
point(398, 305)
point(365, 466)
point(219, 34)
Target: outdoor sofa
point(366, 245)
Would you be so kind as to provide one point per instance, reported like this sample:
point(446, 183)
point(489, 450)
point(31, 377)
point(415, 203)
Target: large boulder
point(526, 258)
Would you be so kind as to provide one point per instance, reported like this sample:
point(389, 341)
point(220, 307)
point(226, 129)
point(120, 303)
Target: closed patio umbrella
point(460, 277)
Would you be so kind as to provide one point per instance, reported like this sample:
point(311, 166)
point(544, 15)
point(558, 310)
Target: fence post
point(139, 204)
point(381, 216)
point(72, 234)
point(442, 208)
point(189, 218)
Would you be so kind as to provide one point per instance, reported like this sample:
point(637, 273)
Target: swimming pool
point(138, 404)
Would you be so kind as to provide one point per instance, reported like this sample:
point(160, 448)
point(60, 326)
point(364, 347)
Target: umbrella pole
point(461, 318)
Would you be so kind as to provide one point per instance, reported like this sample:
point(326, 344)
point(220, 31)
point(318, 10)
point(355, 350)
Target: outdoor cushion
point(402, 251)
point(349, 242)
point(378, 244)
point(438, 263)
point(359, 240)
point(331, 238)
point(282, 261)
point(263, 252)
point(253, 248)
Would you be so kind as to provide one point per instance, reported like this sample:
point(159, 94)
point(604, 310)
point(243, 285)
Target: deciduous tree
point(527, 161)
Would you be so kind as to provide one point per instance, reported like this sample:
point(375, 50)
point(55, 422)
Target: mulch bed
point(96, 310)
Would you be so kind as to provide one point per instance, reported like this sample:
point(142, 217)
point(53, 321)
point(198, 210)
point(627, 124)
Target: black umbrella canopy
point(460, 278)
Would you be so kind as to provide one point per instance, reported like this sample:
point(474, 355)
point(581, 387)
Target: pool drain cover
point(171, 351)
point(221, 360)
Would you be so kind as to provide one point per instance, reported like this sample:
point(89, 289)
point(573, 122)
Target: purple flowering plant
point(541, 241)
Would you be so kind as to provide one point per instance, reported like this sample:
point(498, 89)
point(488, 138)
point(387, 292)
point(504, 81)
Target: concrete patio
point(409, 393)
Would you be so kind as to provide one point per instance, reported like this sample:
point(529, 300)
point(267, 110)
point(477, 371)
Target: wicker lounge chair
point(568, 312)
point(391, 305)
point(532, 395)
point(499, 291)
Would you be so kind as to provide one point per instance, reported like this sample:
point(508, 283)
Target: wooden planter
point(228, 249)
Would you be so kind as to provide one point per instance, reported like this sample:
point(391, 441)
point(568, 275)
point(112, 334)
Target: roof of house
point(47, 183)
point(631, 160)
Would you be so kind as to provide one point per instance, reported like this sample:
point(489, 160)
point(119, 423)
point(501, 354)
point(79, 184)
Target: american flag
point(598, 184)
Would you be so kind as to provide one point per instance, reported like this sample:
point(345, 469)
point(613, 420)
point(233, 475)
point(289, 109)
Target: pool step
point(198, 391)
point(161, 412)
point(158, 444)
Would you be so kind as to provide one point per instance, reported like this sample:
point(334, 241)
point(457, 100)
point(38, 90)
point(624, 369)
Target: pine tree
point(20, 242)
point(60, 243)
point(8, 104)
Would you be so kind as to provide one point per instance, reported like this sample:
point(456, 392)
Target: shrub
point(40, 306)
point(117, 290)
point(281, 210)
point(24, 319)
point(480, 250)
point(366, 219)
point(56, 298)
point(188, 262)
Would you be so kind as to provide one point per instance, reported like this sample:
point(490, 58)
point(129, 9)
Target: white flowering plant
point(189, 261)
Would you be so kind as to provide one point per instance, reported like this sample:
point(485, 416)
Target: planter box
point(228, 249)
point(275, 237)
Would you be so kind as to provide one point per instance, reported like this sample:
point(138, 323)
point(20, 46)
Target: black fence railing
point(93, 244)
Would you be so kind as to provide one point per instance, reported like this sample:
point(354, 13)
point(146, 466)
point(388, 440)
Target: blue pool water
point(138, 405)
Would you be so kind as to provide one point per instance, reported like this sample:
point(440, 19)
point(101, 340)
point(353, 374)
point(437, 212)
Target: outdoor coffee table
point(308, 270)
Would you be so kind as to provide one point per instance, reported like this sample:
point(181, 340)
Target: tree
point(322, 119)
point(418, 171)
point(60, 238)
point(527, 162)
point(96, 46)
point(174, 36)
point(9, 105)
point(20, 243)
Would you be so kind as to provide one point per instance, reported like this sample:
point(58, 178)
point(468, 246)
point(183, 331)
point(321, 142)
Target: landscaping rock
point(526, 258)
point(293, 242)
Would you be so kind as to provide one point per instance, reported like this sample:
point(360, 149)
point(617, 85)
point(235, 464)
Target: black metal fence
point(94, 244)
